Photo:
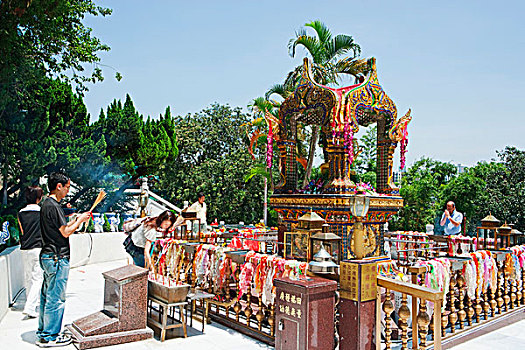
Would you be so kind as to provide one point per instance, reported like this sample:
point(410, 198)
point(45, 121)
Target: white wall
point(4, 290)
point(92, 248)
point(15, 271)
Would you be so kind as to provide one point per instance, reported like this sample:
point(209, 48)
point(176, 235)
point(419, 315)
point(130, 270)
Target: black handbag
point(129, 246)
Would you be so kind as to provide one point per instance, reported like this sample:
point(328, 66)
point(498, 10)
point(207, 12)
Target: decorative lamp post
point(516, 235)
point(504, 231)
point(359, 208)
point(488, 223)
point(297, 242)
point(329, 241)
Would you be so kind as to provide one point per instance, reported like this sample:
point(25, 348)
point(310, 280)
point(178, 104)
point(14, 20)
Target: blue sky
point(457, 64)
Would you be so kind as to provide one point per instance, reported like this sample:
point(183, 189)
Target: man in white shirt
point(200, 207)
point(451, 219)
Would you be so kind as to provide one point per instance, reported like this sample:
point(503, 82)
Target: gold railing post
point(404, 315)
point(248, 311)
point(506, 291)
point(452, 317)
point(518, 292)
point(523, 286)
point(388, 308)
point(423, 320)
point(378, 319)
point(513, 296)
point(260, 313)
point(437, 325)
point(415, 271)
point(271, 319)
point(499, 287)
point(462, 314)
point(470, 311)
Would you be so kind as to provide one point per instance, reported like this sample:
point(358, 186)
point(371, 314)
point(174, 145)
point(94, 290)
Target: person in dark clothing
point(54, 260)
point(30, 246)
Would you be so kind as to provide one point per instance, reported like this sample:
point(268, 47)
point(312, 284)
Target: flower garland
point(269, 148)
point(259, 270)
point(437, 275)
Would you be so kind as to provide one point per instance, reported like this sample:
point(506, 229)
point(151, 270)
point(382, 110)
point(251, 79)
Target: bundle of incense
point(100, 198)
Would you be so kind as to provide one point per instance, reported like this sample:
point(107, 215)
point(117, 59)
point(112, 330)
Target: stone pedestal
point(304, 317)
point(123, 318)
point(357, 307)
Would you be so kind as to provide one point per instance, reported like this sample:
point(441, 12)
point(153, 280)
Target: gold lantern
point(504, 233)
point(297, 242)
point(488, 223)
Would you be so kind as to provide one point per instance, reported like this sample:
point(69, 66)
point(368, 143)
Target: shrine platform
point(85, 296)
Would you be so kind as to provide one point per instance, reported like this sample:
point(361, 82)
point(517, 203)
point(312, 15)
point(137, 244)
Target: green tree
point(51, 134)
point(213, 159)
point(106, 227)
point(506, 188)
point(421, 188)
point(41, 41)
point(332, 57)
point(135, 147)
point(91, 226)
point(47, 38)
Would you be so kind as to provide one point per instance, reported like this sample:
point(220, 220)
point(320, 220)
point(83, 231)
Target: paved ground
point(85, 296)
point(507, 338)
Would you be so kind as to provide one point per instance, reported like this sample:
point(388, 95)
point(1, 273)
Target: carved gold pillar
point(338, 166)
point(385, 158)
point(287, 166)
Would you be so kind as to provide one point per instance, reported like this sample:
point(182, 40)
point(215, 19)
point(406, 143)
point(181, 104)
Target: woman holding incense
point(146, 233)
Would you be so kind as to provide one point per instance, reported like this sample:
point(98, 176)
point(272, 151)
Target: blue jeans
point(53, 296)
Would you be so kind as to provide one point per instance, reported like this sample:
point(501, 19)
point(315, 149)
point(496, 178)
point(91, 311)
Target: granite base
point(95, 341)
point(357, 325)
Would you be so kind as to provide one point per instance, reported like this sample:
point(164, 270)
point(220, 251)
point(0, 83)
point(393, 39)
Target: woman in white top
point(30, 246)
point(146, 233)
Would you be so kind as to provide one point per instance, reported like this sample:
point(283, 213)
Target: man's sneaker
point(61, 340)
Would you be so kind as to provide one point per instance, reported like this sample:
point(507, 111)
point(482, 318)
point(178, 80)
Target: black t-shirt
point(51, 219)
point(29, 218)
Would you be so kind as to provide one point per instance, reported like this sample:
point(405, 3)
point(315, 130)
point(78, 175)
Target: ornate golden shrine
point(339, 112)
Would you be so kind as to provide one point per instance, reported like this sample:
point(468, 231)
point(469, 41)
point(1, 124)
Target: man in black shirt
point(54, 260)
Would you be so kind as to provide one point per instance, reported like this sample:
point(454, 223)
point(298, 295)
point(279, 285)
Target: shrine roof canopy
point(354, 105)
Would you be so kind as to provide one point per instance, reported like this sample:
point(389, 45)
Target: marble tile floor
point(85, 295)
point(511, 337)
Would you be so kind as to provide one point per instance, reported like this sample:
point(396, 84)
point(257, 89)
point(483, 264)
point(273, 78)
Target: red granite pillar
point(357, 308)
point(304, 317)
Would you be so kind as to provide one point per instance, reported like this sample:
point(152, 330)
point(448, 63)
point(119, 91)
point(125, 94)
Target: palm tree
point(327, 53)
point(262, 126)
